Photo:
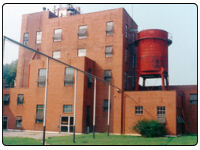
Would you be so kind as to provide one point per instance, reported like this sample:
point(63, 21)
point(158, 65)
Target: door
point(88, 119)
point(5, 122)
point(66, 124)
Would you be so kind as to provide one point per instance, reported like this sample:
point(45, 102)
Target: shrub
point(150, 128)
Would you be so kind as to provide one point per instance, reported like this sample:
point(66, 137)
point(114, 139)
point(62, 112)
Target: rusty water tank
point(152, 50)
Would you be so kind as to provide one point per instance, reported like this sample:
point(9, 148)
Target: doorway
point(5, 122)
point(66, 124)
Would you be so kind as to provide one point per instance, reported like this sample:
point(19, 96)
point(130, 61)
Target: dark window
point(126, 55)
point(67, 108)
point(108, 51)
point(107, 75)
point(161, 114)
point(90, 80)
point(25, 39)
point(41, 77)
point(69, 76)
point(138, 110)
point(19, 122)
point(6, 99)
point(57, 35)
point(133, 61)
point(39, 113)
point(109, 28)
point(105, 105)
point(193, 98)
point(125, 80)
point(126, 31)
point(82, 32)
point(38, 37)
point(20, 99)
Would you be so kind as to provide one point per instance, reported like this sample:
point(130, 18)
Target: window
point(67, 108)
point(20, 99)
point(133, 61)
point(125, 80)
point(81, 52)
point(105, 105)
point(90, 81)
point(57, 35)
point(66, 124)
point(56, 54)
point(126, 55)
point(108, 51)
point(25, 40)
point(39, 113)
point(126, 31)
point(69, 76)
point(107, 75)
point(193, 98)
point(38, 37)
point(109, 28)
point(18, 121)
point(6, 99)
point(161, 114)
point(41, 77)
point(138, 110)
point(82, 32)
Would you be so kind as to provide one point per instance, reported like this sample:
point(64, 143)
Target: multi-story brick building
point(99, 43)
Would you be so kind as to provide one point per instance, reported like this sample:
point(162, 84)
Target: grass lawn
point(20, 141)
point(103, 139)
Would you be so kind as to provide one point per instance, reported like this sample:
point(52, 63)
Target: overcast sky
point(178, 19)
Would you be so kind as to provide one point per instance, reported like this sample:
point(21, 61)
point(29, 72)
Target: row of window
point(69, 77)
point(20, 99)
point(160, 110)
point(82, 33)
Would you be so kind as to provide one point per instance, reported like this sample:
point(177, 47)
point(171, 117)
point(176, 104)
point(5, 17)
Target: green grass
point(20, 141)
point(103, 139)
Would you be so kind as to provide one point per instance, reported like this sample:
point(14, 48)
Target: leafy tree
point(9, 73)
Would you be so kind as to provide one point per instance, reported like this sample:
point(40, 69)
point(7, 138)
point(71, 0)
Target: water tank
point(152, 58)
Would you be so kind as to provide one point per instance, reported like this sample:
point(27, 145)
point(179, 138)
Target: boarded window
point(39, 37)
point(81, 52)
point(69, 76)
point(108, 51)
point(105, 105)
point(41, 77)
point(57, 35)
point(109, 28)
point(82, 32)
point(18, 121)
point(56, 54)
point(161, 114)
point(25, 39)
point(39, 113)
point(6, 99)
point(107, 75)
point(193, 98)
point(138, 110)
point(67, 108)
point(20, 99)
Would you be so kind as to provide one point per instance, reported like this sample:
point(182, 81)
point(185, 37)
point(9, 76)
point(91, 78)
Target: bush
point(150, 128)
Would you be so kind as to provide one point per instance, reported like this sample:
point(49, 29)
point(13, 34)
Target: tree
point(9, 73)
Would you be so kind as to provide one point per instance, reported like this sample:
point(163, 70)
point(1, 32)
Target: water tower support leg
point(163, 82)
point(137, 83)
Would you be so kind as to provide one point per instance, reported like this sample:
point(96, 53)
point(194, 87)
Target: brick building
point(99, 43)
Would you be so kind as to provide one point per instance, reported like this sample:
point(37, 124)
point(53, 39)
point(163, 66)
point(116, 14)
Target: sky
point(180, 20)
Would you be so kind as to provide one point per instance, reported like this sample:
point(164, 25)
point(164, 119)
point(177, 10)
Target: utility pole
point(75, 94)
point(94, 108)
point(108, 108)
point(45, 101)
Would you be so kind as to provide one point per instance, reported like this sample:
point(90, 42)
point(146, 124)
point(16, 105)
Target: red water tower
point(152, 60)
